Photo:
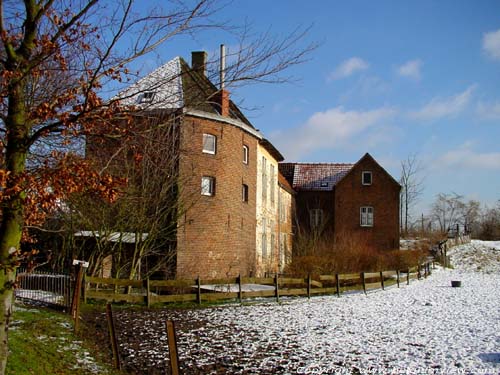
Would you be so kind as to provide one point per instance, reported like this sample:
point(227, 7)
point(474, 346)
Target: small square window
point(244, 193)
point(366, 178)
point(208, 186)
point(324, 184)
point(209, 144)
point(245, 154)
point(366, 216)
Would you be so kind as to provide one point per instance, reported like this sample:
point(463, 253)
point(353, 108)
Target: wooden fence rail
point(196, 290)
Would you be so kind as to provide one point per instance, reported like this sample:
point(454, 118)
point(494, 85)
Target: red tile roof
point(314, 176)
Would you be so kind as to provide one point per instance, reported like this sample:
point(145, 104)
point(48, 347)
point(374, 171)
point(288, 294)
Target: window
point(264, 179)
point(366, 178)
point(208, 185)
point(244, 193)
point(245, 154)
point(366, 216)
point(147, 97)
point(283, 214)
point(209, 143)
point(271, 186)
point(264, 238)
point(316, 218)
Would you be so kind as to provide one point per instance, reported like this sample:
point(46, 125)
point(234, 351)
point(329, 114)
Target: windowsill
point(366, 226)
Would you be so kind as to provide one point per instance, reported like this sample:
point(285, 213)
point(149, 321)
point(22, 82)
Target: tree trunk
point(13, 210)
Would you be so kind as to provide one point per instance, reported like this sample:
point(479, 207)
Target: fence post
point(84, 282)
point(382, 280)
point(75, 306)
point(397, 277)
point(112, 336)
point(337, 281)
point(148, 292)
point(309, 286)
point(363, 281)
point(276, 285)
point(198, 290)
point(408, 276)
point(240, 294)
point(172, 348)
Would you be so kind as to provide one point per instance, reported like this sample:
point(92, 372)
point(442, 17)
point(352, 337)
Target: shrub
point(316, 255)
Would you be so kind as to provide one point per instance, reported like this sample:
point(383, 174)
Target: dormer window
point(147, 97)
point(366, 178)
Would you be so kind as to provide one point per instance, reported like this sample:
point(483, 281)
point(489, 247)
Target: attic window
point(324, 184)
point(147, 97)
point(366, 178)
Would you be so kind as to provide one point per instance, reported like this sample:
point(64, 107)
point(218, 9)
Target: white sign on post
point(83, 263)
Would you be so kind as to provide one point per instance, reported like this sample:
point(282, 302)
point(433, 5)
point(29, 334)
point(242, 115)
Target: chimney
point(224, 94)
point(199, 61)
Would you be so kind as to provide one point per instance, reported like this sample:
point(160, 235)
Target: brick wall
point(382, 195)
point(216, 234)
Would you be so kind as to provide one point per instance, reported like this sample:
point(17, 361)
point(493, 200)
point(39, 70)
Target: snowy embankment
point(425, 328)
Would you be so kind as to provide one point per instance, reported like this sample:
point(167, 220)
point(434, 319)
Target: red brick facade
point(382, 195)
point(216, 234)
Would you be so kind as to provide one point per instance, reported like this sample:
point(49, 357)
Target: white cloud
point(411, 69)
point(489, 111)
point(465, 157)
point(366, 87)
point(330, 129)
point(348, 68)
point(445, 107)
point(491, 44)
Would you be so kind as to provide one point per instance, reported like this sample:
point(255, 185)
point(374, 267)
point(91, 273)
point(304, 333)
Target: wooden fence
point(150, 292)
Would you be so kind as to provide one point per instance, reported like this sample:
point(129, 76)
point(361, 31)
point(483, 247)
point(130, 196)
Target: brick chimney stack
point(199, 61)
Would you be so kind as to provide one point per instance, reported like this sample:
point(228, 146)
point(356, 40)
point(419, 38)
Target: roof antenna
point(222, 71)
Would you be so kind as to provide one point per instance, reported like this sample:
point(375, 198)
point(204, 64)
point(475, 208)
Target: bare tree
point(411, 181)
point(447, 211)
point(57, 59)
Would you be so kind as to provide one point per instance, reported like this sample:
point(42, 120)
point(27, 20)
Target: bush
point(314, 255)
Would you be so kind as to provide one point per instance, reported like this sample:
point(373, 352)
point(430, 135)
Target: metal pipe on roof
point(222, 71)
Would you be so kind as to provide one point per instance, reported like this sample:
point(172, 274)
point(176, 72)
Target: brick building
point(228, 187)
point(334, 200)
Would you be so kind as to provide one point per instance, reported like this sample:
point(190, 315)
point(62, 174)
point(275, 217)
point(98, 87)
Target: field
point(427, 327)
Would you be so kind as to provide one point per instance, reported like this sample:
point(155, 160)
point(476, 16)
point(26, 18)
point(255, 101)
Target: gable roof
point(314, 176)
point(321, 176)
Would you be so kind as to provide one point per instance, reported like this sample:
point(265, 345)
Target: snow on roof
point(316, 176)
point(160, 89)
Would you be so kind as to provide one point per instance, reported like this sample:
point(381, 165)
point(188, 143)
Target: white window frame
point(366, 216)
point(245, 154)
point(208, 186)
point(367, 173)
point(205, 147)
point(316, 217)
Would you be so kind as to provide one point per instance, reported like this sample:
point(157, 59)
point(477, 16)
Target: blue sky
point(392, 78)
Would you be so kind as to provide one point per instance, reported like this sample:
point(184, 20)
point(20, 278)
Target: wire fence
point(44, 288)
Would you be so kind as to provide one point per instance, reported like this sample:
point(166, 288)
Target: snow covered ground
point(424, 328)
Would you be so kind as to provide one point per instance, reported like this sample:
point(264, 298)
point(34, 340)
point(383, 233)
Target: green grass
point(42, 341)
